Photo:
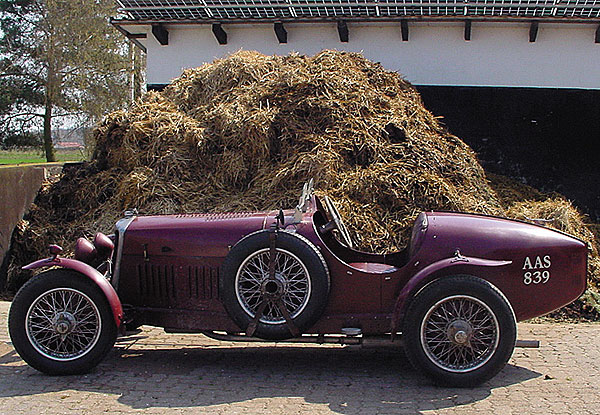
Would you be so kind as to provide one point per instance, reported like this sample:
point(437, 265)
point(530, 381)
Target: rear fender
point(91, 273)
point(431, 273)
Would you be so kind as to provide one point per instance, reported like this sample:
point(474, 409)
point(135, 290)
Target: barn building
point(518, 80)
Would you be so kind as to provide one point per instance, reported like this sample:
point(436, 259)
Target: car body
point(451, 298)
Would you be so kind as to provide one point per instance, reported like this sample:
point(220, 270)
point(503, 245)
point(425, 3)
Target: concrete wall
point(19, 187)
point(498, 54)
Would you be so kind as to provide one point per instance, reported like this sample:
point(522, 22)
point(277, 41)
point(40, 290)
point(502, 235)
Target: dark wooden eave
point(343, 32)
point(160, 33)
point(533, 31)
point(467, 30)
point(404, 29)
point(280, 32)
point(219, 33)
point(133, 37)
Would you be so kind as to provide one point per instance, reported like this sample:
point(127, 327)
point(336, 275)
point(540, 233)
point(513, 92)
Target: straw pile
point(244, 132)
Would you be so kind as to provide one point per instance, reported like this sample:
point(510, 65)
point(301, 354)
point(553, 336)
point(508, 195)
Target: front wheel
point(459, 330)
point(60, 323)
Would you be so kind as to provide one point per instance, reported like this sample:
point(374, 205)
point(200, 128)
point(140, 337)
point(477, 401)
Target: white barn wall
point(499, 54)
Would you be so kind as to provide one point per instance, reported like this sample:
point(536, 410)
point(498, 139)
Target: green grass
point(22, 156)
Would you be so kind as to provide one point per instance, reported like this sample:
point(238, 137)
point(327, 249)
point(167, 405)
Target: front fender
point(428, 274)
point(91, 273)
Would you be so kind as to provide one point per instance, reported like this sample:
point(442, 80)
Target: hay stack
point(244, 132)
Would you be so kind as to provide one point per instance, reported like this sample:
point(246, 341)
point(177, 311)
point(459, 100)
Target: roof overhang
point(231, 11)
point(158, 13)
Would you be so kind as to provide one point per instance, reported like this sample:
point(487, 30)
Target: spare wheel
point(300, 284)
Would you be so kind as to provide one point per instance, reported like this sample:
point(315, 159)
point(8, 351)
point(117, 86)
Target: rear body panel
point(548, 269)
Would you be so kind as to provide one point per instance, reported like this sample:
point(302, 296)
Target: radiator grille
point(203, 282)
point(156, 281)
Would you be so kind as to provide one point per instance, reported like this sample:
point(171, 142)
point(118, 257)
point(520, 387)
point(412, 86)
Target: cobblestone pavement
point(159, 373)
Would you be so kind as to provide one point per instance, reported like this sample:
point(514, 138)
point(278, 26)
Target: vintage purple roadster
point(451, 298)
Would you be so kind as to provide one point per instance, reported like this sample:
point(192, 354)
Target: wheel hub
point(459, 332)
point(272, 288)
point(64, 322)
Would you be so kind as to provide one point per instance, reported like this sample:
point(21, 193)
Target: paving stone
point(159, 373)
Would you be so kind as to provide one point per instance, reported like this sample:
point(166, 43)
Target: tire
point(61, 301)
point(459, 330)
point(304, 283)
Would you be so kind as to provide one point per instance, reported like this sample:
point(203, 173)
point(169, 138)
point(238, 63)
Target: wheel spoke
point(290, 274)
point(476, 323)
point(63, 324)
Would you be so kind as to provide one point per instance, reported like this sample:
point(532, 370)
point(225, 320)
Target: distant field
point(37, 156)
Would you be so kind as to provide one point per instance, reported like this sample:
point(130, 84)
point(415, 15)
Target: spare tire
point(301, 282)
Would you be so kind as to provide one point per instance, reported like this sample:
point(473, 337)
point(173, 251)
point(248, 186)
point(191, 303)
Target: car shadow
point(346, 380)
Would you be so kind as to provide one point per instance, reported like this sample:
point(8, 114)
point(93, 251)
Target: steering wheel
point(336, 222)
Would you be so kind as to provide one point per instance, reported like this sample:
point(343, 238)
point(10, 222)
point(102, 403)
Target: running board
point(339, 339)
point(316, 339)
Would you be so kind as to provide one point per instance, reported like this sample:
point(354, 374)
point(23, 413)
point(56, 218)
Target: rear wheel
point(459, 330)
point(60, 323)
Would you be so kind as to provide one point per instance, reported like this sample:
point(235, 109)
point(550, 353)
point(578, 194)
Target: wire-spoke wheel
point(61, 323)
point(291, 277)
point(460, 333)
point(300, 284)
point(459, 330)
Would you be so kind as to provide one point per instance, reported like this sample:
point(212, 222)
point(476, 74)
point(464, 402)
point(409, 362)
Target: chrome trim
point(120, 227)
point(307, 192)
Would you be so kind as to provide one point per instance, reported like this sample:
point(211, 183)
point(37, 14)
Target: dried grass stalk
point(244, 132)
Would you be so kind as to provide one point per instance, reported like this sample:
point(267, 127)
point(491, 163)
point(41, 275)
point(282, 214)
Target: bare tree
point(60, 58)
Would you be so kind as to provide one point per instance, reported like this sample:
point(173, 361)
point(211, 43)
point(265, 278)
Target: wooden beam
point(280, 32)
point(219, 33)
point(404, 29)
point(533, 31)
point(160, 33)
point(131, 37)
point(342, 30)
point(597, 40)
point(467, 30)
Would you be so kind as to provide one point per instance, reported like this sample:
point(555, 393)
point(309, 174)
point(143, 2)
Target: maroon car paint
point(91, 273)
point(429, 273)
point(170, 268)
point(507, 240)
point(183, 251)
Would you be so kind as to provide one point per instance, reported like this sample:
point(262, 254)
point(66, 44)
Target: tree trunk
point(48, 146)
point(139, 79)
point(131, 57)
